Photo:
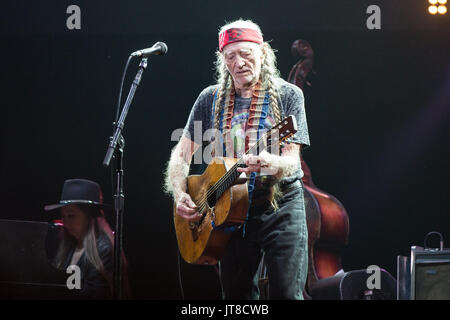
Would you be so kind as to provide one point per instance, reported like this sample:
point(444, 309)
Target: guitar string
point(203, 202)
point(256, 145)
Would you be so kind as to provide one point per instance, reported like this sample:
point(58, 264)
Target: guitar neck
point(227, 180)
point(278, 133)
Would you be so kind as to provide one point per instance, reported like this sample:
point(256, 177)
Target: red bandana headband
point(239, 34)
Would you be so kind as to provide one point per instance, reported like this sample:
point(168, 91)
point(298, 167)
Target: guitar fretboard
point(231, 175)
point(278, 133)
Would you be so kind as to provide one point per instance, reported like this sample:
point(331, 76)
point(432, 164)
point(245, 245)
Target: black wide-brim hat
point(82, 192)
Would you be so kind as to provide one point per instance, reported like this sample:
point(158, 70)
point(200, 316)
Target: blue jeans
point(283, 237)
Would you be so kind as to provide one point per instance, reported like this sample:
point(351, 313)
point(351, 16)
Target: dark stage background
point(378, 115)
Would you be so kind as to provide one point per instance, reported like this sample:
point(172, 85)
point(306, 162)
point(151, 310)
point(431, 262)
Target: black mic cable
point(180, 282)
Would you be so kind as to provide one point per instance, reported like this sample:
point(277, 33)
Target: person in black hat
point(87, 239)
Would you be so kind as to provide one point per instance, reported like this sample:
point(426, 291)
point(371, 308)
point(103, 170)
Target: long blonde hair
point(96, 225)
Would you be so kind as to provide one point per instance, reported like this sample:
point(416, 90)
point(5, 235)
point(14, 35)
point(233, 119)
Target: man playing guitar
point(250, 97)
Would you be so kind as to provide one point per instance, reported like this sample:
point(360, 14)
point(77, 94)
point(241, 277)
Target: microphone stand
point(116, 147)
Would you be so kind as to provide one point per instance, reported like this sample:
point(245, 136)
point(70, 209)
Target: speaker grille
point(433, 281)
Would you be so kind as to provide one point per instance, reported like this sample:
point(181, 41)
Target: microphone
point(158, 48)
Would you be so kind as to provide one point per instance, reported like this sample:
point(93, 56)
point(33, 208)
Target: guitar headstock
point(282, 131)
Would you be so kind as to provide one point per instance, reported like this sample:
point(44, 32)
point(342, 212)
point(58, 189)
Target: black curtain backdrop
point(378, 114)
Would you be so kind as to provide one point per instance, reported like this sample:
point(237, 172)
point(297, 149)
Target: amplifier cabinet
point(425, 275)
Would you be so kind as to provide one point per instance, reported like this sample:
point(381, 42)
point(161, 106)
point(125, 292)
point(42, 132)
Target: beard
point(246, 81)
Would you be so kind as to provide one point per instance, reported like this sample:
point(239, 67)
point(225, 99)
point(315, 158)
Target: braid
point(274, 101)
point(268, 75)
point(223, 81)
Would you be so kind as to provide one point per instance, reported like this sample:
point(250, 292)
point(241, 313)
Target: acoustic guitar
point(221, 196)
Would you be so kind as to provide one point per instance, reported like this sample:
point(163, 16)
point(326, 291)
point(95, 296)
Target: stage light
point(432, 9)
point(437, 6)
point(442, 9)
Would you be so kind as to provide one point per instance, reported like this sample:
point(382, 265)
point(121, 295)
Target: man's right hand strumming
point(186, 208)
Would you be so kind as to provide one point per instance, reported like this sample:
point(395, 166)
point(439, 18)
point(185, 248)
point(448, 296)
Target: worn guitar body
point(201, 243)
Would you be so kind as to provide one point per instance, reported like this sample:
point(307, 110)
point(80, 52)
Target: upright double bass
point(327, 219)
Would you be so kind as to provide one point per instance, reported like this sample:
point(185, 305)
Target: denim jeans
point(282, 235)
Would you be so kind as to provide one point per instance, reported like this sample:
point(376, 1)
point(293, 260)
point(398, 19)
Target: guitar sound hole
point(212, 198)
